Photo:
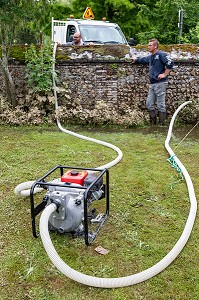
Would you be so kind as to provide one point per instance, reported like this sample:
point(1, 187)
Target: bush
point(39, 68)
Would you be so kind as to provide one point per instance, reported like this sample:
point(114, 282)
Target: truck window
point(71, 29)
point(102, 34)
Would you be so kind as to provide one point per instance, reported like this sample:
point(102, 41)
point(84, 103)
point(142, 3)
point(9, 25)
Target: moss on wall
point(194, 49)
point(17, 52)
point(117, 51)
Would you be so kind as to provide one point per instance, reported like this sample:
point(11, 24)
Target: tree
point(14, 15)
point(164, 18)
point(190, 21)
point(59, 11)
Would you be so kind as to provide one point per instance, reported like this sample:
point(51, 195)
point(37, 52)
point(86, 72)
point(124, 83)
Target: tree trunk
point(9, 84)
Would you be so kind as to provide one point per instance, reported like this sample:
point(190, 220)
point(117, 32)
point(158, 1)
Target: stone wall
point(123, 82)
point(113, 80)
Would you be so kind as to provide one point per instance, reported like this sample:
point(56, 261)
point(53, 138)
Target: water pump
point(74, 193)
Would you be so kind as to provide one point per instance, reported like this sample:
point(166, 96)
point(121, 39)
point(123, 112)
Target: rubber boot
point(153, 119)
point(162, 117)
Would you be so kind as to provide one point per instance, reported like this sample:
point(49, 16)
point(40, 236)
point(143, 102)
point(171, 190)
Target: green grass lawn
point(149, 206)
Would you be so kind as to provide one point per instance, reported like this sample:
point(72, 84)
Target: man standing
point(160, 64)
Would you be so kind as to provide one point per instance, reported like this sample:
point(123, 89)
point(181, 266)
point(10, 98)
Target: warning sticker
point(88, 14)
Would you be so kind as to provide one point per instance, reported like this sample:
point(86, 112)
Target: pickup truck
point(97, 32)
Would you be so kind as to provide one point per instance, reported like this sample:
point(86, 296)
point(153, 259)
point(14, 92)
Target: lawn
point(149, 205)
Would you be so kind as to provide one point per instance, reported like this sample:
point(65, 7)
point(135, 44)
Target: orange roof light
point(104, 19)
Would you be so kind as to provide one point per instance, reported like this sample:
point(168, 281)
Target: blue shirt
point(157, 63)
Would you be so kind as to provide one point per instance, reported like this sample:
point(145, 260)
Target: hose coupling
point(57, 202)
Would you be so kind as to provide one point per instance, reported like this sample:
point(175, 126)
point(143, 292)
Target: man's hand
point(160, 76)
point(133, 59)
point(163, 75)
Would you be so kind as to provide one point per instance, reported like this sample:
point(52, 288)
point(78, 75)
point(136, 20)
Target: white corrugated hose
point(23, 190)
point(138, 277)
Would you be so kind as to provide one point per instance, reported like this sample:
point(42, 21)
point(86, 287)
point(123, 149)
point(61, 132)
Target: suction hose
point(138, 277)
point(119, 152)
point(23, 189)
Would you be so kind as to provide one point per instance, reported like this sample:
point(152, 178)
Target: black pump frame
point(35, 210)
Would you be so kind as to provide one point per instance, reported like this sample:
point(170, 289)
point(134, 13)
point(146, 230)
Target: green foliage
point(194, 34)
point(39, 68)
point(146, 18)
point(144, 37)
point(16, 15)
point(59, 11)
point(17, 52)
point(138, 19)
point(26, 36)
point(165, 19)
